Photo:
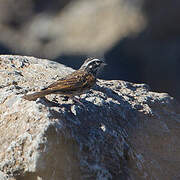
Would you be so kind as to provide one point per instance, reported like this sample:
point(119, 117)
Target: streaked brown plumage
point(73, 84)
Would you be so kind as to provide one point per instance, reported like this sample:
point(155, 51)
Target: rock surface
point(125, 131)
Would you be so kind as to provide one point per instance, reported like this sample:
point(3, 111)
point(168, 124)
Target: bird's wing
point(73, 82)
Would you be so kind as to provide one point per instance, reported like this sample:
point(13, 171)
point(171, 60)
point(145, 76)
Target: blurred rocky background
point(140, 40)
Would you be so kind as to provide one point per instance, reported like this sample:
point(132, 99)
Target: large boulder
point(123, 131)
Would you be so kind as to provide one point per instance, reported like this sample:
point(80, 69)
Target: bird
point(74, 84)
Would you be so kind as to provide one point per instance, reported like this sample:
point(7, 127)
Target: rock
point(125, 131)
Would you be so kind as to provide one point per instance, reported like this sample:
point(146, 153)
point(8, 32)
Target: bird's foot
point(65, 98)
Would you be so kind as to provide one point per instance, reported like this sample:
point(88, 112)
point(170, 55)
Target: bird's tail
point(34, 96)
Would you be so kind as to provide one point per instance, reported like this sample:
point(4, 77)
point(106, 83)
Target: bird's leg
point(66, 98)
point(78, 101)
point(50, 103)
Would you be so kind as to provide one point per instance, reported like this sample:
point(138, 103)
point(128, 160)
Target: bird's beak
point(104, 64)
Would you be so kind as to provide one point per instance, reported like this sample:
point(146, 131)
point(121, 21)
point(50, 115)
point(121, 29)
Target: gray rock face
point(125, 131)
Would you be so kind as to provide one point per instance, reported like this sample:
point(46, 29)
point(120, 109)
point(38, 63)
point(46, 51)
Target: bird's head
point(93, 65)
